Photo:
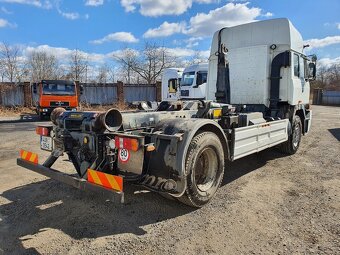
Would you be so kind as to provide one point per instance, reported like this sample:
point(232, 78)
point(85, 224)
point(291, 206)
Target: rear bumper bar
point(78, 183)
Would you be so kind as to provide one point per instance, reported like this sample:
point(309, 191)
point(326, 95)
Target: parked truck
point(257, 97)
point(194, 82)
point(55, 93)
point(171, 79)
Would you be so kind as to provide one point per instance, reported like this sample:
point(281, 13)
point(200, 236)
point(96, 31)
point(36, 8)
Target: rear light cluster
point(127, 143)
point(41, 130)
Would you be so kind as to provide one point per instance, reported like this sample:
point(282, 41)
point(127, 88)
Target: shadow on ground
point(335, 132)
point(49, 204)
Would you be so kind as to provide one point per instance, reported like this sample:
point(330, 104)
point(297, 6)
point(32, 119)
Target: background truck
point(56, 93)
point(171, 79)
point(194, 81)
point(181, 149)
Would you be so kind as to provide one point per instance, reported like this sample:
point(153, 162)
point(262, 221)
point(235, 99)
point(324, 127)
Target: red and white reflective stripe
point(42, 131)
point(127, 143)
point(121, 142)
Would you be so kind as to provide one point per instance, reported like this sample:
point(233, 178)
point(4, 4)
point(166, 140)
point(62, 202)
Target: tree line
point(131, 66)
point(328, 77)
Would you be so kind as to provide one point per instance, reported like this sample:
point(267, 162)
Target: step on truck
point(257, 98)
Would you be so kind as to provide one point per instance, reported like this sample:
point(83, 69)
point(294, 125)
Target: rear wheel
point(205, 168)
point(292, 144)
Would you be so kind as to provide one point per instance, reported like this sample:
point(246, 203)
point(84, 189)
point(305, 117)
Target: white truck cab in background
point(171, 78)
point(194, 81)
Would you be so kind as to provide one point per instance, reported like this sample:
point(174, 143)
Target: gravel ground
point(268, 203)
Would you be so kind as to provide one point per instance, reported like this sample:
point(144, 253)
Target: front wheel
point(292, 144)
point(205, 168)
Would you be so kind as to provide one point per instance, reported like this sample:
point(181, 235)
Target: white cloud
point(70, 15)
point(320, 43)
point(338, 25)
point(6, 23)
point(180, 52)
point(193, 41)
point(118, 36)
point(63, 54)
point(268, 14)
point(328, 62)
point(4, 10)
point(185, 52)
point(204, 24)
point(37, 3)
point(156, 8)
point(122, 53)
point(165, 29)
point(94, 2)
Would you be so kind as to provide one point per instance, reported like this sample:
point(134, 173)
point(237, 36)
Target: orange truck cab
point(56, 93)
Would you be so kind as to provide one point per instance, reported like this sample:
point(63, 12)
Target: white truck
point(171, 79)
point(257, 97)
point(194, 82)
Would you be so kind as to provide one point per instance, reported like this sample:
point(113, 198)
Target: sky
point(101, 28)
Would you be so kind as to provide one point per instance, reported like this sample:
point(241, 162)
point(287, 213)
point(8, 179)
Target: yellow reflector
point(106, 180)
point(29, 156)
point(217, 113)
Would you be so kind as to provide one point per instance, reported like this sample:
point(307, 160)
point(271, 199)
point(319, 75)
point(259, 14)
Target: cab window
point(201, 78)
point(172, 85)
point(296, 65)
point(302, 68)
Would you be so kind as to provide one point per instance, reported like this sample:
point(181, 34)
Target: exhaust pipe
point(56, 113)
point(111, 120)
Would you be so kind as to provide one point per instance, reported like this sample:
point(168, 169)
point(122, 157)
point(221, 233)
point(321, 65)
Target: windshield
point(188, 79)
point(58, 89)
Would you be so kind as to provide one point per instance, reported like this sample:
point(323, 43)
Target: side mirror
point(312, 71)
point(34, 88)
point(81, 89)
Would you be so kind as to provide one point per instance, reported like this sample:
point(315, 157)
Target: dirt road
point(268, 203)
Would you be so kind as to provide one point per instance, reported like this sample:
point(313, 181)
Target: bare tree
point(328, 77)
point(334, 75)
point(127, 58)
point(42, 66)
point(2, 70)
point(111, 74)
point(102, 76)
point(78, 66)
point(197, 58)
point(148, 65)
point(9, 56)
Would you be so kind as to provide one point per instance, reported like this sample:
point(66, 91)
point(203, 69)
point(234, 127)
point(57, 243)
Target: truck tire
point(205, 168)
point(292, 144)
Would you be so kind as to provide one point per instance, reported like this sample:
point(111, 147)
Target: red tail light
point(127, 143)
point(45, 131)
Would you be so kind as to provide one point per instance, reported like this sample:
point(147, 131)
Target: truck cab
point(171, 79)
point(260, 64)
point(194, 81)
point(55, 93)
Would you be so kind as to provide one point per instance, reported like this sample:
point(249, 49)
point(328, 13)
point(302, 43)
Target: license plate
point(46, 143)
